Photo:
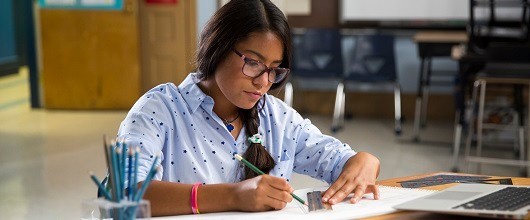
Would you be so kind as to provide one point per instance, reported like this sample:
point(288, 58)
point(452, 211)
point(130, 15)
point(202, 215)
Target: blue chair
point(372, 61)
point(317, 60)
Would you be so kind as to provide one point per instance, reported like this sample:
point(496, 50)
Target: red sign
point(161, 1)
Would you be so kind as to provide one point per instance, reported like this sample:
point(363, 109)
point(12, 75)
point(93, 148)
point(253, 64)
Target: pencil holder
point(99, 209)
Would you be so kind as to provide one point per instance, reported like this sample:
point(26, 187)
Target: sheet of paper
point(366, 207)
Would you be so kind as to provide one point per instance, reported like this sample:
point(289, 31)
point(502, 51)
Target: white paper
point(366, 207)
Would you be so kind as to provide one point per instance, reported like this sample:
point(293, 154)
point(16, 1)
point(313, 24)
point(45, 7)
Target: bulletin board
point(82, 4)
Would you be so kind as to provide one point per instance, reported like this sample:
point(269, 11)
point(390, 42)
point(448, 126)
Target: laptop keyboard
point(507, 199)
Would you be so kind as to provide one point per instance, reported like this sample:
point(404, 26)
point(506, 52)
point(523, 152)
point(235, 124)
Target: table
point(428, 215)
point(397, 215)
point(431, 44)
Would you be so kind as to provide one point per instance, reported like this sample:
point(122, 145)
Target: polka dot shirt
point(178, 123)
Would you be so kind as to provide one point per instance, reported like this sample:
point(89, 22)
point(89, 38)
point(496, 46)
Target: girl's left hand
point(357, 176)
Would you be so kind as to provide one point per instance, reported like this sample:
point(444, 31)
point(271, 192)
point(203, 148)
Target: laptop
point(482, 200)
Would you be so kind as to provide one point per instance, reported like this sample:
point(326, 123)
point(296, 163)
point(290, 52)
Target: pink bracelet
point(193, 199)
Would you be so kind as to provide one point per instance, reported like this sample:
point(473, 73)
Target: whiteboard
point(403, 10)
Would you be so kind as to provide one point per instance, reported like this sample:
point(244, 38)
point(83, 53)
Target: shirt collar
point(193, 95)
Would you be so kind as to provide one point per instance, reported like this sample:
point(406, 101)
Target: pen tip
point(238, 157)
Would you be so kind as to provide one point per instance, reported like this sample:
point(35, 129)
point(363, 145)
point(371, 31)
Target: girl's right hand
point(262, 193)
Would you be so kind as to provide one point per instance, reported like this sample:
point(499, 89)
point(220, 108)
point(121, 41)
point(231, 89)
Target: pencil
point(135, 173)
point(154, 169)
point(115, 171)
point(122, 167)
point(110, 167)
point(101, 188)
point(129, 174)
point(117, 146)
point(258, 171)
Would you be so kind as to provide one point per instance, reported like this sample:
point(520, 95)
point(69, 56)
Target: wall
point(205, 10)
point(8, 51)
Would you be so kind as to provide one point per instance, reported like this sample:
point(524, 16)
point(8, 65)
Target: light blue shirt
point(178, 123)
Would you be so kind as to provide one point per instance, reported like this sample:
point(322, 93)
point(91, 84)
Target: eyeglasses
point(253, 68)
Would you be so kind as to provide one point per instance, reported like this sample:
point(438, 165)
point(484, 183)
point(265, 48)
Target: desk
point(431, 44)
point(427, 215)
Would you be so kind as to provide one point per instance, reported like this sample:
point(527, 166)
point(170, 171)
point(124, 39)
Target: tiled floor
point(45, 155)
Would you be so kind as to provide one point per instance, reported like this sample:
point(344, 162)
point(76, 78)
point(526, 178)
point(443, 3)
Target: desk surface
point(427, 215)
point(440, 37)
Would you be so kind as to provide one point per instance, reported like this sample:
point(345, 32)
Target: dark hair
point(233, 23)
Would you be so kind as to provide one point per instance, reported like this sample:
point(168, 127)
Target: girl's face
point(239, 89)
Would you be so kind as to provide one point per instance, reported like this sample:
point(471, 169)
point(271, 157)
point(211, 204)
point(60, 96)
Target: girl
point(222, 110)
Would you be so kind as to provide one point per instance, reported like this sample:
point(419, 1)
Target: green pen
point(258, 171)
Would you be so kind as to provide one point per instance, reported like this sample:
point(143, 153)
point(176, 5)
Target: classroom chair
point(317, 61)
point(371, 61)
point(501, 69)
point(499, 50)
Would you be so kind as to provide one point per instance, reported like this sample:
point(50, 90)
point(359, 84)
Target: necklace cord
point(228, 122)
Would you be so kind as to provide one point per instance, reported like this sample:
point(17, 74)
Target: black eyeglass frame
point(277, 77)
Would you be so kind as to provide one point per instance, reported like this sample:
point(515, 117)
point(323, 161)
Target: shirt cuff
point(340, 165)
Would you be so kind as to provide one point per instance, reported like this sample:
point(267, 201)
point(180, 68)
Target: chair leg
point(339, 100)
point(470, 124)
point(480, 121)
point(424, 104)
point(456, 141)
point(521, 150)
point(519, 122)
point(397, 109)
point(419, 96)
point(426, 87)
point(342, 109)
point(528, 135)
point(417, 115)
point(516, 144)
point(288, 97)
point(518, 105)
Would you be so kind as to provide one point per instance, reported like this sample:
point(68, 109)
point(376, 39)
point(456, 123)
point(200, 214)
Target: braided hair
point(256, 153)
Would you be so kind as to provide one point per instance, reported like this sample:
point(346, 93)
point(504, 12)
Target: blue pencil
point(258, 171)
point(146, 184)
point(114, 172)
point(147, 180)
point(101, 188)
point(129, 175)
point(108, 156)
point(122, 167)
point(135, 174)
point(117, 175)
